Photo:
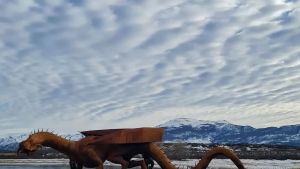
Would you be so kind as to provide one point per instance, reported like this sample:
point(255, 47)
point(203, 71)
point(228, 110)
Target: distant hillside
point(222, 132)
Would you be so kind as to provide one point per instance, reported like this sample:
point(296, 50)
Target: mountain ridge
point(206, 132)
point(214, 132)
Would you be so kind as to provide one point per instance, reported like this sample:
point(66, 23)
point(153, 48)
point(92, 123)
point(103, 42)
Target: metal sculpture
point(117, 146)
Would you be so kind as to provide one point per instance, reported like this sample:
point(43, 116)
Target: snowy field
point(217, 163)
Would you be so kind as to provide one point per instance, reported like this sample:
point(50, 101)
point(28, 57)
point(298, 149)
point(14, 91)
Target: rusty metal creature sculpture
point(117, 146)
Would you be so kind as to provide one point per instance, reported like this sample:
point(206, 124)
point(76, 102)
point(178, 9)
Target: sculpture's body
point(94, 155)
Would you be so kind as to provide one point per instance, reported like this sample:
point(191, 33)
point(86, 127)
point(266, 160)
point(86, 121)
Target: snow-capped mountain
point(223, 132)
point(191, 122)
point(10, 143)
point(209, 132)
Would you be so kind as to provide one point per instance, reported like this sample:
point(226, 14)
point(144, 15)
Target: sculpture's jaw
point(28, 152)
point(23, 149)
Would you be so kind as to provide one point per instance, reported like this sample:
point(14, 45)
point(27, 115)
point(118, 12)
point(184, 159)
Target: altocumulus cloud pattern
point(77, 65)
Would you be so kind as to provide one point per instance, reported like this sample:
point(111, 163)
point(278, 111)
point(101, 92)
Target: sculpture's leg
point(119, 160)
point(135, 163)
point(149, 162)
point(75, 165)
point(100, 163)
point(79, 166)
point(72, 164)
point(100, 166)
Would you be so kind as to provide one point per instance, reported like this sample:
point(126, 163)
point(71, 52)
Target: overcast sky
point(78, 65)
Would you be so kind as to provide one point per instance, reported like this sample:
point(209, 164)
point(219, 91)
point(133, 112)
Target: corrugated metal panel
point(123, 136)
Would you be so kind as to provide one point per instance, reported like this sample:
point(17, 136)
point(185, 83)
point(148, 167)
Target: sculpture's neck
point(58, 143)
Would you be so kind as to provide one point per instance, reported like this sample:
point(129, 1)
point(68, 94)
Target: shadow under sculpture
point(117, 146)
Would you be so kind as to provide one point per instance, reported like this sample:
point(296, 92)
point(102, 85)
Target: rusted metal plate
point(123, 136)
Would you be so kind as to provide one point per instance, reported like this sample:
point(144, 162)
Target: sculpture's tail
point(212, 153)
point(160, 157)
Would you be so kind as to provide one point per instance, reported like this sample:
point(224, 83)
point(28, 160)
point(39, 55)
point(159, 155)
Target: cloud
point(76, 65)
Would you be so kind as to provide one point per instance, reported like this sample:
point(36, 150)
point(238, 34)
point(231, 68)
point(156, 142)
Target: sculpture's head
point(31, 144)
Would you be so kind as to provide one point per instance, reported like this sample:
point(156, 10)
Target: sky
point(78, 65)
